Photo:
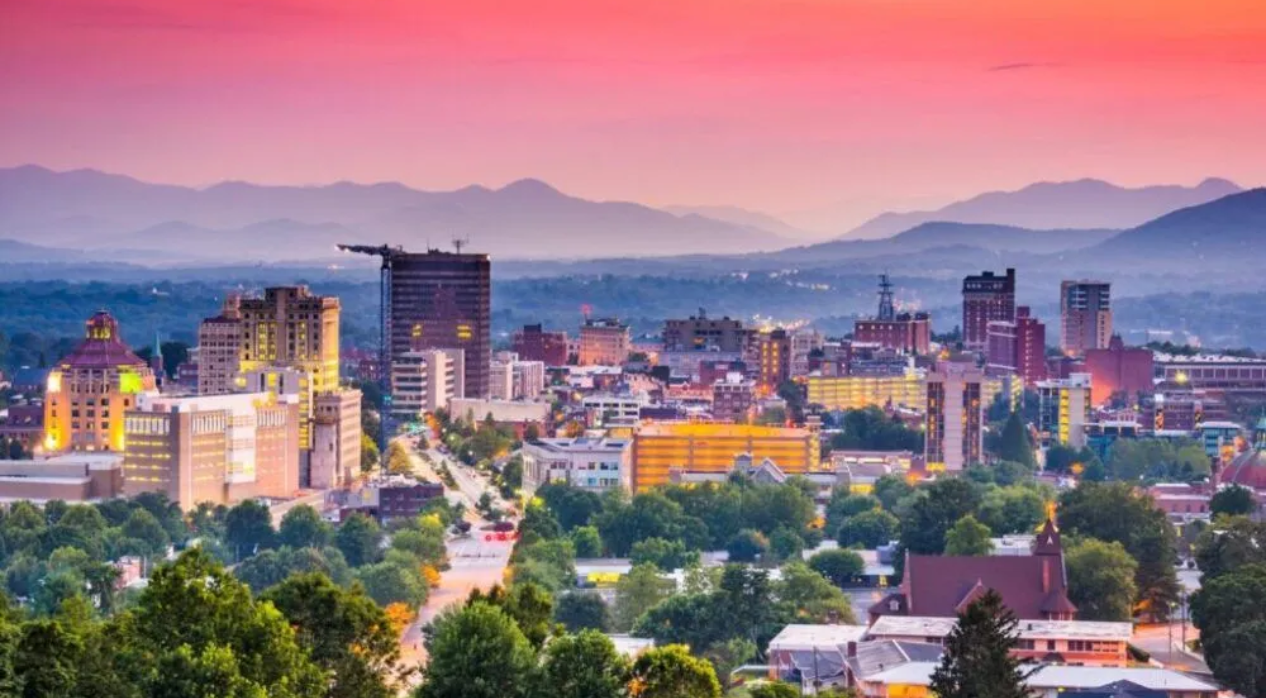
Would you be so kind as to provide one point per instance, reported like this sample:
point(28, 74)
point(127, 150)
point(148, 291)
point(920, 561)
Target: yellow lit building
point(659, 449)
point(858, 392)
point(91, 388)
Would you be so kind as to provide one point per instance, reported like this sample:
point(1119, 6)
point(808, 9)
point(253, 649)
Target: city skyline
point(843, 107)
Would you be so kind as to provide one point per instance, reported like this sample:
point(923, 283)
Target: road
point(1156, 641)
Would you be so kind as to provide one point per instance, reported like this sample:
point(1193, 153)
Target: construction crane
point(387, 253)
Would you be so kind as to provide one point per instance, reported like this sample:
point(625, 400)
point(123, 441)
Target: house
point(814, 655)
point(1086, 643)
point(1034, 587)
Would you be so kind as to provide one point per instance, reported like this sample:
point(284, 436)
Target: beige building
point(424, 381)
point(604, 342)
point(220, 350)
point(954, 437)
point(89, 390)
point(219, 449)
point(69, 477)
point(908, 389)
point(335, 458)
point(1085, 316)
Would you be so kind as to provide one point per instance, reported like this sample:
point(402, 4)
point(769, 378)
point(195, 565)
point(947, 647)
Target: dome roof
point(101, 348)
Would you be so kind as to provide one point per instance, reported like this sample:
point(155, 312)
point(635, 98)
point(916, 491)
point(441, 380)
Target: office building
point(532, 343)
point(425, 381)
point(214, 448)
point(1085, 316)
point(772, 350)
point(596, 465)
point(662, 448)
point(219, 350)
point(953, 435)
point(511, 378)
point(1018, 346)
point(733, 399)
point(1064, 411)
point(701, 333)
point(501, 380)
point(529, 379)
point(1218, 375)
point(88, 391)
point(67, 477)
point(443, 300)
point(604, 342)
point(905, 389)
point(986, 298)
point(908, 333)
point(335, 457)
point(805, 343)
point(1119, 370)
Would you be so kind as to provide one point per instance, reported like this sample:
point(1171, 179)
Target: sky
point(822, 111)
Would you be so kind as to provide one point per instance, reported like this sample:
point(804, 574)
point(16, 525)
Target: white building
point(591, 464)
point(616, 406)
point(336, 437)
point(424, 381)
point(512, 379)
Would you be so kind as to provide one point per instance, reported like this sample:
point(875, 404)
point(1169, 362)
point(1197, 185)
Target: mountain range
point(1084, 203)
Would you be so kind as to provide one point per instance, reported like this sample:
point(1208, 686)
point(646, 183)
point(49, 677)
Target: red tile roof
point(101, 348)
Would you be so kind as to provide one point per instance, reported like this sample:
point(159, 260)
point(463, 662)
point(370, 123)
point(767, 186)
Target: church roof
point(1247, 470)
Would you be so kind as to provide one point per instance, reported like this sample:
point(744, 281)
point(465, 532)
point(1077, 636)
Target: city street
point(1164, 642)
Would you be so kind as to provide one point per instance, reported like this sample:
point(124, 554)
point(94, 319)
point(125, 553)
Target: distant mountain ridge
point(1080, 204)
point(527, 218)
point(1230, 231)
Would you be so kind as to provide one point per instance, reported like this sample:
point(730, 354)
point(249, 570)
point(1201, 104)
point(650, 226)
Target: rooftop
point(917, 626)
point(1063, 677)
point(582, 443)
point(808, 637)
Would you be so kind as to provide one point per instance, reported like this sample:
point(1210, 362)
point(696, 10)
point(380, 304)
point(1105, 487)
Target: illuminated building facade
point(1119, 369)
point(1064, 410)
point(953, 436)
point(906, 389)
point(733, 399)
point(773, 358)
point(443, 300)
point(986, 298)
point(659, 449)
point(220, 351)
point(90, 389)
point(1085, 316)
point(604, 342)
point(215, 448)
point(908, 333)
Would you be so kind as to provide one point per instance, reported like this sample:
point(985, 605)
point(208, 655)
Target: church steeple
point(1048, 542)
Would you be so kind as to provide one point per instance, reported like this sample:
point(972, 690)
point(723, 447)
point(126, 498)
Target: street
point(1163, 642)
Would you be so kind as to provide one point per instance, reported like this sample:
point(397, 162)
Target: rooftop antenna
point(459, 243)
point(887, 311)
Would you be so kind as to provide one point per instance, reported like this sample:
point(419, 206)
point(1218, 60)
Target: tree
point(636, 593)
point(142, 527)
point(785, 544)
point(398, 460)
point(868, 530)
point(368, 451)
point(248, 528)
point(844, 505)
point(933, 511)
point(838, 566)
point(303, 527)
point(587, 542)
point(978, 662)
point(345, 632)
point(359, 539)
point(812, 597)
point(1015, 444)
point(968, 537)
point(477, 651)
point(775, 690)
point(666, 555)
point(1101, 580)
point(582, 610)
point(1016, 509)
point(1230, 611)
point(1060, 459)
point(44, 660)
point(727, 656)
point(571, 506)
point(585, 665)
point(1230, 545)
point(891, 489)
point(871, 429)
point(670, 672)
point(1232, 501)
point(389, 582)
point(747, 546)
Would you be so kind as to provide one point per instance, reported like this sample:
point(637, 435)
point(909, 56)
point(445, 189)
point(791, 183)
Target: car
point(503, 526)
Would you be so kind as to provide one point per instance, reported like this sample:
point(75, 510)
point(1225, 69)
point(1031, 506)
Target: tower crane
point(387, 253)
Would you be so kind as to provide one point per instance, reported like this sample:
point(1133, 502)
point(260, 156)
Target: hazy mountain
point(746, 217)
point(1082, 204)
point(528, 218)
point(1228, 232)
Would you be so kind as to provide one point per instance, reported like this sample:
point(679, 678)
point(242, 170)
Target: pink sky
point(780, 105)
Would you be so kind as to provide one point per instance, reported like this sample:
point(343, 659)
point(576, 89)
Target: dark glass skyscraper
point(443, 300)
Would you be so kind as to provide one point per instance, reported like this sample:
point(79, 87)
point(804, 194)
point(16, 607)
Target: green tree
point(1015, 444)
point(637, 592)
point(727, 656)
point(1101, 580)
point(1232, 501)
point(141, 526)
point(345, 632)
point(389, 582)
point(1016, 509)
point(844, 505)
point(303, 527)
point(868, 530)
point(934, 510)
point(585, 665)
point(368, 451)
point(785, 544)
point(398, 460)
point(1230, 611)
point(812, 597)
point(587, 542)
point(424, 541)
point(777, 689)
point(747, 546)
point(571, 506)
point(1232, 543)
point(248, 528)
point(978, 662)
point(582, 610)
point(891, 489)
point(838, 566)
point(670, 672)
point(666, 555)
point(968, 537)
point(359, 539)
point(477, 651)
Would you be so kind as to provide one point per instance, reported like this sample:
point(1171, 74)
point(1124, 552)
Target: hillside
point(1230, 232)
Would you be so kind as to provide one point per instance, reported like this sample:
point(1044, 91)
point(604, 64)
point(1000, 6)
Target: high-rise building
point(909, 333)
point(529, 379)
point(773, 358)
point(986, 298)
point(953, 437)
point(1064, 410)
point(90, 389)
point(443, 300)
point(335, 459)
point(220, 350)
point(701, 333)
point(1119, 369)
point(604, 342)
point(660, 448)
point(501, 380)
point(532, 343)
point(1085, 314)
point(212, 448)
point(424, 381)
point(1018, 346)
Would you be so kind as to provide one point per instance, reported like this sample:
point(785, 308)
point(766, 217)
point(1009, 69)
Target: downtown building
point(604, 342)
point(532, 343)
point(426, 381)
point(908, 333)
point(666, 450)
point(443, 300)
point(954, 435)
point(1065, 410)
point(986, 298)
point(1018, 347)
point(1085, 316)
point(702, 333)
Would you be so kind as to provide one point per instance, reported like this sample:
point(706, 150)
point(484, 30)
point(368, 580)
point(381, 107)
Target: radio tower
point(886, 309)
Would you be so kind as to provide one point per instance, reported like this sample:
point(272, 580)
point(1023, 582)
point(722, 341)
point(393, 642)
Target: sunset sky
point(787, 106)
